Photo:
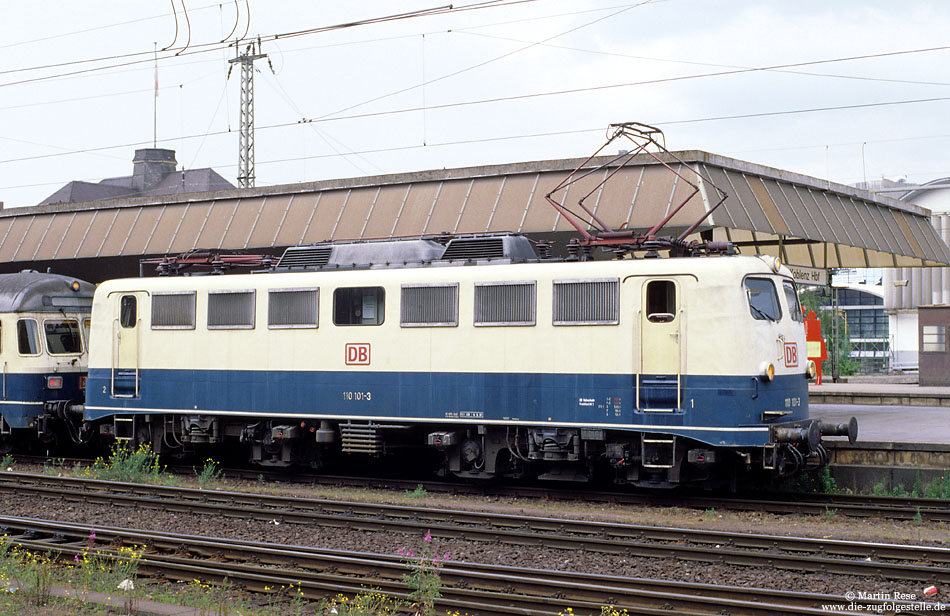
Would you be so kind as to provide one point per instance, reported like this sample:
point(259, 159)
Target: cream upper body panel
point(716, 330)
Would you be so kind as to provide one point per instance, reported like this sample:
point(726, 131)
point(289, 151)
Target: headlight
point(767, 371)
point(811, 369)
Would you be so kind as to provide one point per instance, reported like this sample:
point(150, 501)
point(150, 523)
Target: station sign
point(809, 275)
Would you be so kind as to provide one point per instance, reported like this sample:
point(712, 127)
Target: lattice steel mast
point(251, 53)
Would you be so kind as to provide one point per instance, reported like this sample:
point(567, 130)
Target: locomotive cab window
point(661, 301)
point(791, 298)
point(358, 306)
point(763, 299)
point(28, 337)
point(62, 336)
point(128, 311)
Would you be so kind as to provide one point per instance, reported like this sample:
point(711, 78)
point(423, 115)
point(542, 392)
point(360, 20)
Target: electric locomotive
point(656, 372)
point(44, 320)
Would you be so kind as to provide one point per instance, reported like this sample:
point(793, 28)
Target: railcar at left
point(44, 325)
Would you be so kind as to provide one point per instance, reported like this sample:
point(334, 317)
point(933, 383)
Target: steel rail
point(488, 589)
point(916, 563)
point(846, 505)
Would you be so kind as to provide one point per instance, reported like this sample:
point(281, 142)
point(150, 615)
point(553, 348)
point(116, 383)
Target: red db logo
point(357, 354)
point(791, 354)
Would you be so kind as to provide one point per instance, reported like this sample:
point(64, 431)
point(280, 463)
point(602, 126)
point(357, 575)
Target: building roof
point(803, 220)
point(154, 173)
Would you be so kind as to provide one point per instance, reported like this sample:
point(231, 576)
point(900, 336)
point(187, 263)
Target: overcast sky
point(867, 97)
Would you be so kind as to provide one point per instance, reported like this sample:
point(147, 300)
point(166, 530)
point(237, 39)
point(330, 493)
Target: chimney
point(150, 166)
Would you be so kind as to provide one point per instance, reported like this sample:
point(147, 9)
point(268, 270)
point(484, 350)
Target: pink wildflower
point(445, 556)
point(428, 537)
point(76, 558)
point(401, 551)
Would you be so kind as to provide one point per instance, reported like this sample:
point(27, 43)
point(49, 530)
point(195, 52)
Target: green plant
point(53, 466)
point(418, 492)
point(938, 488)
point(829, 512)
point(7, 462)
point(209, 473)
point(820, 482)
point(370, 603)
point(140, 465)
point(710, 512)
point(423, 580)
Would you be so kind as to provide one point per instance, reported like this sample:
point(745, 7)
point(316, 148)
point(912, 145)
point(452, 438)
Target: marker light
point(767, 371)
point(75, 286)
point(54, 382)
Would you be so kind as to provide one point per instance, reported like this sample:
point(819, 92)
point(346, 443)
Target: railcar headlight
point(75, 286)
point(767, 371)
point(774, 263)
point(812, 369)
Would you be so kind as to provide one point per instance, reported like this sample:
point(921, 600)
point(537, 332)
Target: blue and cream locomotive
point(658, 371)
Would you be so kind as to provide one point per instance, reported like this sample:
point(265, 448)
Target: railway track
point(473, 588)
point(849, 505)
point(860, 506)
point(867, 560)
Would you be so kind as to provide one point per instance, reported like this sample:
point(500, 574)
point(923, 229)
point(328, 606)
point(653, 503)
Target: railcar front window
point(28, 337)
point(791, 298)
point(763, 299)
point(358, 306)
point(63, 337)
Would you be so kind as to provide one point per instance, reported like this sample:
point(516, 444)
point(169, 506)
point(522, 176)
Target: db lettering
point(357, 354)
point(791, 355)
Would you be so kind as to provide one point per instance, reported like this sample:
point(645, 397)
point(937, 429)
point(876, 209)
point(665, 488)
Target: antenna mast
point(251, 53)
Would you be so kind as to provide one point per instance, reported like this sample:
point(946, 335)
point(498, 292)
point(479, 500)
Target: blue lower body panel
point(24, 395)
point(722, 411)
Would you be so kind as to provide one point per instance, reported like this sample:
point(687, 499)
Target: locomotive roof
point(32, 291)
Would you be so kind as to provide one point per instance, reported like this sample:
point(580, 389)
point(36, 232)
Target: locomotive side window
point(791, 298)
point(587, 302)
point(62, 337)
point(429, 305)
point(128, 311)
point(505, 303)
point(28, 337)
point(293, 308)
point(661, 301)
point(358, 306)
point(763, 299)
point(86, 326)
point(231, 309)
point(173, 310)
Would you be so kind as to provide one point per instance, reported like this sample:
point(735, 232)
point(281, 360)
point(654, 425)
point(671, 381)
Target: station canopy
point(803, 220)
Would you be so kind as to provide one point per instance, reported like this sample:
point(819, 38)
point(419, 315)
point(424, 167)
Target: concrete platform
point(889, 423)
point(879, 393)
point(898, 444)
